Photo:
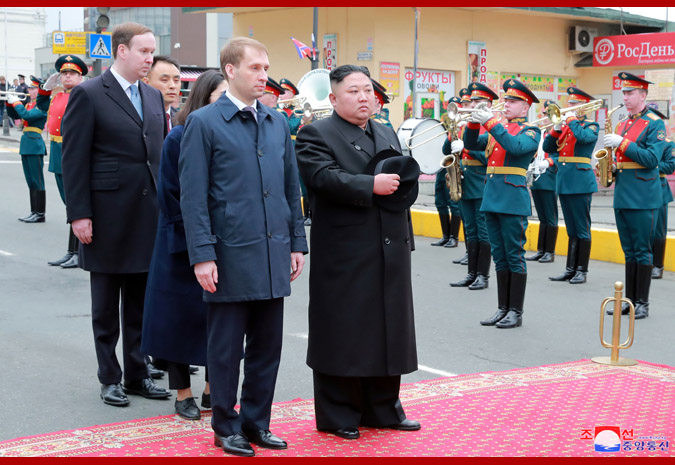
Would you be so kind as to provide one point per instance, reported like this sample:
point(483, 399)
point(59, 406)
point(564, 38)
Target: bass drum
point(427, 148)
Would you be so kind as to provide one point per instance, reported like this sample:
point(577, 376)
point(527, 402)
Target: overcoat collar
point(117, 94)
point(355, 134)
point(228, 109)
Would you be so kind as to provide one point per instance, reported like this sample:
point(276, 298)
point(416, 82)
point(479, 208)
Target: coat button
point(407, 240)
point(357, 147)
point(260, 153)
point(145, 192)
point(148, 162)
point(266, 193)
point(269, 234)
point(387, 241)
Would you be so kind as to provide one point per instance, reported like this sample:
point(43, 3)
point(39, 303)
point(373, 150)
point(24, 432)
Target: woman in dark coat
point(174, 319)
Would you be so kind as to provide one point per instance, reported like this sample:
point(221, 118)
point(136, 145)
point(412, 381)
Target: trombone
point(554, 112)
point(291, 102)
point(8, 93)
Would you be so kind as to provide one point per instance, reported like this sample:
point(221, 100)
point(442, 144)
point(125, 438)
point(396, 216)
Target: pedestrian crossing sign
point(100, 46)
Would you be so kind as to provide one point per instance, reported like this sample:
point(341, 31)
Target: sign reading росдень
point(633, 50)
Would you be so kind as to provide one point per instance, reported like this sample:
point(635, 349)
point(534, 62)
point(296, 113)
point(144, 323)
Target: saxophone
point(605, 157)
point(453, 177)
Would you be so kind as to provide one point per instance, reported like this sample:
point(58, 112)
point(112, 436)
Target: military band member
point(32, 147)
point(69, 72)
point(509, 148)
point(546, 204)
point(666, 167)
point(574, 142)
point(639, 142)
point(381, 114)
point(473, 164)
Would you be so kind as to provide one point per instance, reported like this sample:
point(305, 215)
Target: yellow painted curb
point(605, 245)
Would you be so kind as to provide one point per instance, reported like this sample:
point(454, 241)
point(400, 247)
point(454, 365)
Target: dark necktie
point(252, 111)
point(168, 122)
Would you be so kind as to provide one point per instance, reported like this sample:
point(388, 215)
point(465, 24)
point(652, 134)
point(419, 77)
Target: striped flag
point(303, 50)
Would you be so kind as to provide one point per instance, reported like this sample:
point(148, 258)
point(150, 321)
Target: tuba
point(605, 157)
point(314, 88)
point(453, 177)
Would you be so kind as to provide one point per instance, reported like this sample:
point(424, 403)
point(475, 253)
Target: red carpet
point(552, 410)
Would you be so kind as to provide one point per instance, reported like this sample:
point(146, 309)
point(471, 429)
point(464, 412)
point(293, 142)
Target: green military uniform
point(666, 167)
point(573, 148)
point(509, 149)
point(33, 150)
point(637, 193)
point(473, 165)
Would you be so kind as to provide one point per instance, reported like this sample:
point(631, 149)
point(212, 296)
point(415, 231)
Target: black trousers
point(228, 324)
point(106, 312)
point(343, 402)
point(179, 375)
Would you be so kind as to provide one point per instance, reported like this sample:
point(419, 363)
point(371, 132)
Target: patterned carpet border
point(542, 411)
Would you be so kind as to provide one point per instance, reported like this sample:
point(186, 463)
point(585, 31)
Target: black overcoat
point(110, 165)
point(361, 320)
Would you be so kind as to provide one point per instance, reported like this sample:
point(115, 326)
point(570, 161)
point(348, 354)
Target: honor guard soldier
point(381, 114)
point(32, 147)
point(639, 142)
point(509, 149)
point(573, 140)
point(666, 167)
point(271, 94)
point(294, 124)
point(69, 72)
point(465, 96)
point(449, 225)
point(545, 199)
point(473, 165)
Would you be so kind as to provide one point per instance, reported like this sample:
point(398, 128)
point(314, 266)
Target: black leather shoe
point(63, 259)
point(112, 395)
point(146, 388)
point(566, 276)
point(579, 278)
point(406, 425)
point(537, 255)
point(548, 257)
point(625, 309)
point(237, 444)
point(187, 408)
point(466, 282)
point(73, 262)
point(35, 218)
point(154, 372)
point(439, 243)
point(641, 310)
point(344, 433)
point(494, 319)
point(452, 242)
point(462, 260)
point(265, 438)
point(657, 272)
point(511, 320)
point(24, 218)
point(481, 282)
point(193, 369)
point(206, 400)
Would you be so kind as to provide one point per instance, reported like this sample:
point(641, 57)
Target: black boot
point(503, 284)
point(74, 259)
point(570, 268)
point(483, 270)
point(455, 224)
point(72, 248)
point(659, 256)
point(514, 318)
point(541, 243)
point(643, 280)
point(31, 194)
point(473, 266)
point(549, 249)
point(445, 228)
point(629, 287)
point(40, 202)
point(583, 255)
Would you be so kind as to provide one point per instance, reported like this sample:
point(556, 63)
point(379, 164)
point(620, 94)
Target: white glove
point(457, 146)
point(557, 127)
point(481, 116)
point(613, 167)
point(612, 140)
point(569, 114)
point(543, 165)
point(461, 123)
point(52, 81)
point(12, 99)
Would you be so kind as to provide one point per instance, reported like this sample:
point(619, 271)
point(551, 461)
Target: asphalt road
point(46, 346)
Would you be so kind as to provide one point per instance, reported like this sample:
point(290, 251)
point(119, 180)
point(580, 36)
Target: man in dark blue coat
point(240, 200)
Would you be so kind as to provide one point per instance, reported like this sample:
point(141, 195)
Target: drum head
point(428, 137)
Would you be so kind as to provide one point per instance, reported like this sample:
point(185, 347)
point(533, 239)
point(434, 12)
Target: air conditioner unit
point(581, 39)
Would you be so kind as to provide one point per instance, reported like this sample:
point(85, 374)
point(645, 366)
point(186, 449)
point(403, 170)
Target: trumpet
point(7, 93)
point(554, 112)
point(454, 110)
point(291, 102)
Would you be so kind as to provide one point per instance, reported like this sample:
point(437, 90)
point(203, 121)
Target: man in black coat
point(113, 130)
point(361, 322)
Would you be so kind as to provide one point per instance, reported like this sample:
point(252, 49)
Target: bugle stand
point(614, 358)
